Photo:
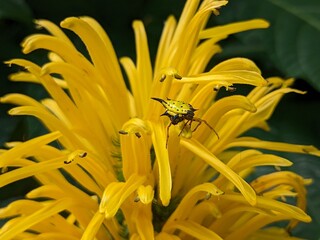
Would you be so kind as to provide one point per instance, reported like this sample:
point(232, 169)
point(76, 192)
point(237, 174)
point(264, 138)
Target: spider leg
point(184, 125)
point(168, 134)
point(199, 120)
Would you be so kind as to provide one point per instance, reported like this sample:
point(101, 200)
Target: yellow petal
point(144, 68)
point(143, 216)
point(276, 146)
point(34, 218)
point(278, 207)
point(53, 29)
point(195, 230)
point(145, 194)
point(162, 159)
point(196, 194)
point(25, 149)
point(214, 162)
point(226, 30)
point(115, 194)
point(93, 227)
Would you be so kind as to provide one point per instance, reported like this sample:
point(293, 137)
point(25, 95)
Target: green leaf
point(16, 10)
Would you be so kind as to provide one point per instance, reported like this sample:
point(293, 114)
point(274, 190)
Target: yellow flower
point(113, 176)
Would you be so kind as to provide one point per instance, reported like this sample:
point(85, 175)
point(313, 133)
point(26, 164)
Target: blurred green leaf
point(16, 10)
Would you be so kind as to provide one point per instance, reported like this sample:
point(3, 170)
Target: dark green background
point(289, 48)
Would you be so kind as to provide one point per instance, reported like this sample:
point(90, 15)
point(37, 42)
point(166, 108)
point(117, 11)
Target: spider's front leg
point(168, 134)
point(199, 120)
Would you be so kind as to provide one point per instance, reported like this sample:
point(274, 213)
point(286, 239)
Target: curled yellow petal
point(115, 194)
point(214, 162)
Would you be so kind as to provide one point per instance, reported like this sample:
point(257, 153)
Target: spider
point(178, 111)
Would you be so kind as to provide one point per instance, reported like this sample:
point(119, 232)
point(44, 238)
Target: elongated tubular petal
point(194, 229)
point(135, 155)
point(261, 160)
point(69, 139)
point(277, 207)
point(143, 216)
point(27, 148)
point(144, 68)
point(189, 40)
point(113, 199)
point(81, 87)
point(111, 52)
point(164, 44)
point(36, 217)
point(197, 193)
point(28, 77)
point(132, 74)
point(162, 159)
point(218, 109)
point(53, 29)
point(105, 64)
point(31, 170)
point(198, 149)
point(63, 49)
point(284, 179)
point(56, 223)
point(234, 77)
point(62, 99)
point(277, 146)
point(235, 127)
point(232, 28)
point(55, 192)
point(20, 99)
point(254, 224)
point(93, 227)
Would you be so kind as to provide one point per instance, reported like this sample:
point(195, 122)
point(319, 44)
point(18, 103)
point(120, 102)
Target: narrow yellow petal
point(196, 194)
point(34, 218)
point(31, 170)
point(143, 216)
point(144, 68)
point(53, 29)
point(276, 146)
point(103, 61)
point(195, 230)
point(115, 194)
point(164, 44)
point(235, 71)
point(270, 204)
point(25, 149)
point(20, 99)
point(93, 227)
point(226, 30)
point(162, 159)
point(214, 162)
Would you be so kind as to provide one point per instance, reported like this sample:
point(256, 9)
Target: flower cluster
point(120, 172)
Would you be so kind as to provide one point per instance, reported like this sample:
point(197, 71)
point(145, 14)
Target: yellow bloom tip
point(262, 23)
point(145, 194)
point(68, 22)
